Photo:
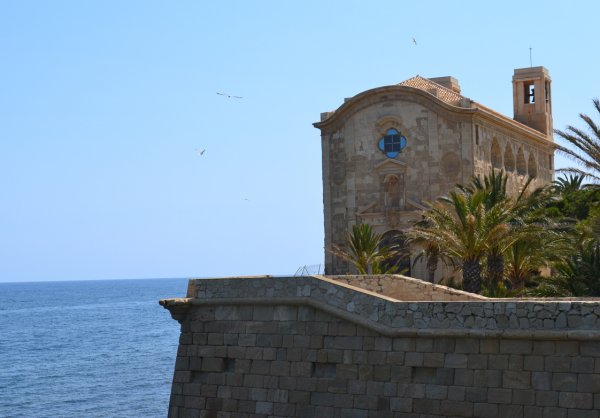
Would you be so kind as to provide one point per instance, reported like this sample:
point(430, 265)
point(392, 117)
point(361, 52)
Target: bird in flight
point(229, 96)
point(414, 41)
point(200, 151)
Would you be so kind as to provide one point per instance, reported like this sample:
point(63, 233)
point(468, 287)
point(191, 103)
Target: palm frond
point(586, 145)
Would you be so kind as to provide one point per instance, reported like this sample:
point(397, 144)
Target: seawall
point(342, 347)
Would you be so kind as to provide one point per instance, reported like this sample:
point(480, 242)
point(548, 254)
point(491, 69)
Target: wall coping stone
point(419, 289)
point(494, 318)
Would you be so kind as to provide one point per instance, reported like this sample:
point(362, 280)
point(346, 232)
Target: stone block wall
point(311, 347)
point(405, 288)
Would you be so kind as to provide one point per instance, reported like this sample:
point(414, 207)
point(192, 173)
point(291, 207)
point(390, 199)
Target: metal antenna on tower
point(530, 61)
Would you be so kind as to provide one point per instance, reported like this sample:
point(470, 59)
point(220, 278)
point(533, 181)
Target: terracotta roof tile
point(437, 90)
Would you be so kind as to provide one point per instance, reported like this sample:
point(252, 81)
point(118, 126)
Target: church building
point(388, 150)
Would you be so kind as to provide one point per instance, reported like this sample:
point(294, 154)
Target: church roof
point(447, 96)
point(443, 93)
point(456, 99)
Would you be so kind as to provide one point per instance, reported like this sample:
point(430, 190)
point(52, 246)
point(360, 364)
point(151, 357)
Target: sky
point(105, 104)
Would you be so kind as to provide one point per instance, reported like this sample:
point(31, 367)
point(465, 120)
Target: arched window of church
point(521, 165)
point(509, 159)
point(532, 164)
point(496, 154)
point(392, 143)
point(392, 192)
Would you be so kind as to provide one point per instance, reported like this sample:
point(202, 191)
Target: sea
point(87, 348)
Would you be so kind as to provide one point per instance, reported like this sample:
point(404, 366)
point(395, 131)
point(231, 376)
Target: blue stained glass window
point(392, 143)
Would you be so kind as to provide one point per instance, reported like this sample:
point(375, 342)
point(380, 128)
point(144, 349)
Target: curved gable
point(386, 93)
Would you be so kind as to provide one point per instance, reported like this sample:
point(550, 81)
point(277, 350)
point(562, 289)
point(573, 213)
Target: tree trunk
point(472, 276)
point(432, 262)
point(495, 271)
point(518, 281)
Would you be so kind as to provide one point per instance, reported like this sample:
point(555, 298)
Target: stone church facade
point(389, 150)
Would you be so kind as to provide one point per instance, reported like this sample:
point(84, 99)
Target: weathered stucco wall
point(438, 155)
point(518, 157)
point(313, 347)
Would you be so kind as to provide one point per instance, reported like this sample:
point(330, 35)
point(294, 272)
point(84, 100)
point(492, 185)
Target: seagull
point(229, 96)
point(414, 41)
point(200, 152)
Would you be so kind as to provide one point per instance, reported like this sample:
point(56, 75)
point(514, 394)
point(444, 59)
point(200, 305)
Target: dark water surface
point(88, 348)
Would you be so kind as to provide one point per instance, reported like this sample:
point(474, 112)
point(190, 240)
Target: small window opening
point(547, 92)
point(392, 143)
point(550, 162)
point(476, 134)
point(529, 92)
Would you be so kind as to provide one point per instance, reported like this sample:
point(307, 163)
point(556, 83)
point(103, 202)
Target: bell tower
point(532, 98)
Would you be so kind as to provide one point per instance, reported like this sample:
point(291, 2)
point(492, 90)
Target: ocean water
point(87, 348)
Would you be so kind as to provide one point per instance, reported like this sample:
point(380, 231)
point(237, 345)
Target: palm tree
point(540, 239)
point(595, 224)
point(529, 254)
point(568, 183)
point(479, 223)
point(522, 262)
point(461, 228)
point(573, 199)
point(493, 186)
point(578, 275)
point(569, 246)
point(586, 144)
point(516, 213)
point(430, 250)
point(368, 252)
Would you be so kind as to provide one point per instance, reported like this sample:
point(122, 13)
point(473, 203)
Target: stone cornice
point(355, 103)
point(397, 92)
point(178, 307)
point(489, 115)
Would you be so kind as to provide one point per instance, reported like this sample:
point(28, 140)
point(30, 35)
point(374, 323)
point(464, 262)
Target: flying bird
point(414, 41)
point(200, 152)
point(230, 96)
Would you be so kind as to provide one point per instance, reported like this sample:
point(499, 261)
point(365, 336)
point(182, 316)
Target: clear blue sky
point(103, 103)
